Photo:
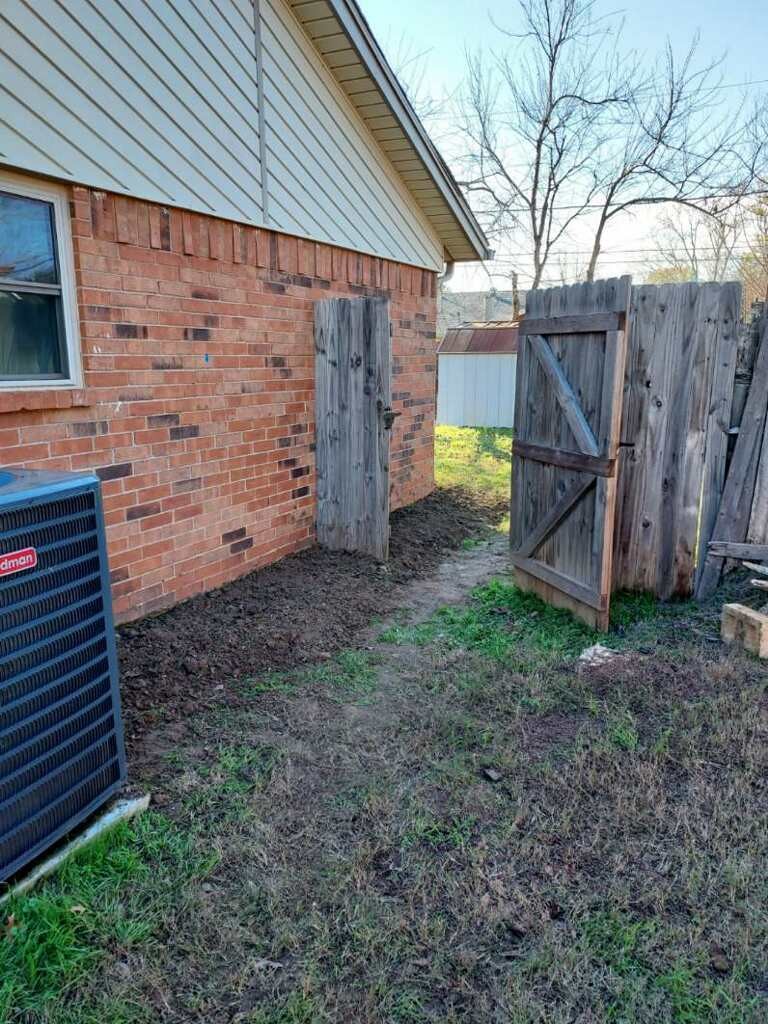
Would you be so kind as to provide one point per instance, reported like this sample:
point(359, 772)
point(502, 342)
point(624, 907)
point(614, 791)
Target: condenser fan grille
point(60, 741)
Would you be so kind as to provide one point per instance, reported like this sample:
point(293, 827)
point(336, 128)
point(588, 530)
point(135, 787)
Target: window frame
point(58, 197)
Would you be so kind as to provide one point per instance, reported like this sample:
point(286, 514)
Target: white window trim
point(58, 196)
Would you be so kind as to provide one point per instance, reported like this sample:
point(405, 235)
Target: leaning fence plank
point(758, 521)
point(733, 517)
point(719, 415)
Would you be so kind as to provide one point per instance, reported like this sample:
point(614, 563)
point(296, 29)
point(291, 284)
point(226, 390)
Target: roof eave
point(360, 36)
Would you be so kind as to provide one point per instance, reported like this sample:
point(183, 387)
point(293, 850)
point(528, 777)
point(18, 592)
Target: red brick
point(160, 290)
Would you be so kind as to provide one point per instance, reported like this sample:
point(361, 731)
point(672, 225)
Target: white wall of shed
point(476, 390)
point(160, 101)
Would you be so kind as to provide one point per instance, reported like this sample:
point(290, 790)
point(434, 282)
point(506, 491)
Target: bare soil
point(298, 611)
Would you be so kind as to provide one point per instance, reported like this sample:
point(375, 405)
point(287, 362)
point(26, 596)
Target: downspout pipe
point(447, 274)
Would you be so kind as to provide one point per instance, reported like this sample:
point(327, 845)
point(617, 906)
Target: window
point(39, 346)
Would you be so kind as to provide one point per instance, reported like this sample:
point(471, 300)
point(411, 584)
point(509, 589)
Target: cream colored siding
point(159, 99)
point(154, 99)
point(323, 164)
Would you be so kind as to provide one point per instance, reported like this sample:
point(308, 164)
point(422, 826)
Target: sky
point(443, 29)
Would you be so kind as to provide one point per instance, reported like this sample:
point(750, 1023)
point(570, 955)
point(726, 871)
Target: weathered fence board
point(352, 385)
point(569, 393)
point(758, 522)
point(757, 532)
point(720, 416)
point(678, 394)
point(733, 518)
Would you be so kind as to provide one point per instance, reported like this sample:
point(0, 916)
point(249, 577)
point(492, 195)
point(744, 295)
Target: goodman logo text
point(17, 561)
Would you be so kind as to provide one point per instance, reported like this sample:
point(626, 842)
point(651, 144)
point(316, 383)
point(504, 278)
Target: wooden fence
point(688, 382)
point(678, 396)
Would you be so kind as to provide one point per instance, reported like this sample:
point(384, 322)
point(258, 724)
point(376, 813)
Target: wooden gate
point(570, 378)
point(353, 422)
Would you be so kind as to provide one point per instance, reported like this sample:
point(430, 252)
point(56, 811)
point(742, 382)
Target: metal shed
point(477, 363)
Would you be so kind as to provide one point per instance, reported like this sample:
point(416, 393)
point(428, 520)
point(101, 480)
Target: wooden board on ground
point(353, 390)
point(570, 373)
point(746, 627)
point(683, 346)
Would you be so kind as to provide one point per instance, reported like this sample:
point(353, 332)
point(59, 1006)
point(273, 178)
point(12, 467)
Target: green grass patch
point(477, 459)
point(297, 1009)
point(115, 894)
point(273, 682)
point(506, 624)
point(622, 731)
point(439, 834)
point(348, 673)
point(351, 672)
point(501, 622)
point(226, 785)
point(628, 949)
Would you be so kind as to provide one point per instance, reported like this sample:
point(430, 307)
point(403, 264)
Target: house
point(477, 367)
point(180, 182)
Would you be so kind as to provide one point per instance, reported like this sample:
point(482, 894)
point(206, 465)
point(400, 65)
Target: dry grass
point(365, 866)
point(457, 826)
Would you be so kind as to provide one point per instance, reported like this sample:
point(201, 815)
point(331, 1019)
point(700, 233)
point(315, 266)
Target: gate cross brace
point(564, 393)
point(554, 517)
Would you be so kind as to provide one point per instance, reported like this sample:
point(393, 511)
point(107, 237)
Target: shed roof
point(497, 337)
point(341, 34)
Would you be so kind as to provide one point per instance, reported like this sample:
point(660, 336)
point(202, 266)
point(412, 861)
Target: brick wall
point(198, 402)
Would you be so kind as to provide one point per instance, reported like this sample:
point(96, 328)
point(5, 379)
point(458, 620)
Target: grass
point(466, 825)
point(507, 625)
point(489, 834)
point(108, 901)
point(476, 459)
point(348, 673)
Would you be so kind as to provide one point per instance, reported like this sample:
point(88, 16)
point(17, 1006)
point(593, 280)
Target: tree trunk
point(596, 248)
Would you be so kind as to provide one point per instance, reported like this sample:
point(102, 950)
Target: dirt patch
point(295, 612)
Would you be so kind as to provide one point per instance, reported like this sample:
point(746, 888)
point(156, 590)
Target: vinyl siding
point(152, 99)
point(160, 100)
point(327, 175)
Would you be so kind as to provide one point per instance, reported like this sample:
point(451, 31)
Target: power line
point(684, 199)
point(741, 250)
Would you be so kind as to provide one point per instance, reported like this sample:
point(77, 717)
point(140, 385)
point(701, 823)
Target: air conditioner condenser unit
point(61, 738)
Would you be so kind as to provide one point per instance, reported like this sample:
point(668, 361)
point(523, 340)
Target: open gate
point(570, 379)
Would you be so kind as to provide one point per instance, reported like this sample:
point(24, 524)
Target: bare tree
point(715, 245)
point(753, 264)
point(564, 127)
point(411, 64)
point(699, 245)
point(533, 117)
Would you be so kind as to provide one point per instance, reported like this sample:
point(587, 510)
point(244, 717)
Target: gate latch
point(389, 416)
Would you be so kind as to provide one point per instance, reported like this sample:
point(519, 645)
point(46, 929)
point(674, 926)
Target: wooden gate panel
point(678, 395)
point(569, 399)
point(352, 398)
